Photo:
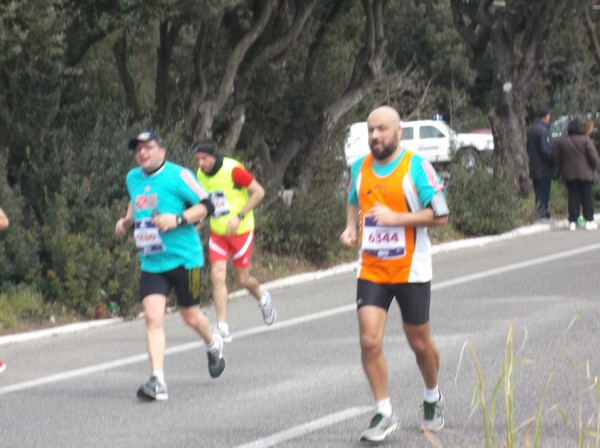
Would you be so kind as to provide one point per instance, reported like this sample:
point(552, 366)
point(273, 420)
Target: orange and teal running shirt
point(393, 254)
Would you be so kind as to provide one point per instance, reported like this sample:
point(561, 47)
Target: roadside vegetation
point(495, 407)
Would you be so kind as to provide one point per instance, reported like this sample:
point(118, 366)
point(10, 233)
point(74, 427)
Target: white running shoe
point(433, 415)
point(380, 428)
point(216, 362)
point(153, 390)
point(591, 225)
point(572, 226)
point(268, 310)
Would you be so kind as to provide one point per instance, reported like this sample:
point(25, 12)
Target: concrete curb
point(55, 331)
point(297, 279)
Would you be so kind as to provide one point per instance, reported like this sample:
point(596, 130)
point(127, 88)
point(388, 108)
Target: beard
point(383, 152)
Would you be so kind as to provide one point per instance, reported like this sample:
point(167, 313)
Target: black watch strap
point(181, 221)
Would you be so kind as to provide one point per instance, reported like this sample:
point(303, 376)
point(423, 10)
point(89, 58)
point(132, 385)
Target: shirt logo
point(146, 201)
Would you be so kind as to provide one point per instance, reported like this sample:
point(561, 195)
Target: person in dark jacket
point(541, 166)
point(577, 158)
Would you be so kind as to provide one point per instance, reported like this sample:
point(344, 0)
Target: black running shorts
point(413, 298)
point(185, 281)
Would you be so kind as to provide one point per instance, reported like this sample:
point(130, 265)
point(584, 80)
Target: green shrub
point(19, 244)
point(309, 229)
point(483, 201)
point(21, 303)
point(76, 264)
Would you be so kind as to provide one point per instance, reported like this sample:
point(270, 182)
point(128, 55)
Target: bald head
point(385, 113)
point(384, 133)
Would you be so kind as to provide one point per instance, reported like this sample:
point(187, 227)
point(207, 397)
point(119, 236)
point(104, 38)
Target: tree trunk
point(591, 32)
point(120, 53)
point(274, 170)
point(508, 124)
point(168, 36)
point(513, 85)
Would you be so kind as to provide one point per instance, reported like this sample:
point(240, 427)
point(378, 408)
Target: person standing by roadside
point(3, 226)
point(234, 193)
point(541, 166)
point(577, 159)
point(166, 202)
point(393, 196)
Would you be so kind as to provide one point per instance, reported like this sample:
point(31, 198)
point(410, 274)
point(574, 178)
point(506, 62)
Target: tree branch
point(167, 37)
point(275, 49)
point(226, 86)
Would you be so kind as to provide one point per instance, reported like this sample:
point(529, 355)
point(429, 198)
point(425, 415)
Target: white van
point(433, 139)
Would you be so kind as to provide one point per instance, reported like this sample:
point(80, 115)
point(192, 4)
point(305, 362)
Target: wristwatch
point(241, 216)
point(181, 221)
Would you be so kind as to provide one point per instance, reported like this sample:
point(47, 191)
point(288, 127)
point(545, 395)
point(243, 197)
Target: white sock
point(159, 375)
point(431, 395)
point(223, 326)
point(212, 347)
point(384, 407)
point(263, 300)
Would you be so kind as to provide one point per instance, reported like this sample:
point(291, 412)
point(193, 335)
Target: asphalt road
point(300, 383)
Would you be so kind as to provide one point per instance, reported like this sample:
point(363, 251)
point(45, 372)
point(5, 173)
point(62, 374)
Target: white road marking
point(283, 324)
point(514, 267)
point(307, 428)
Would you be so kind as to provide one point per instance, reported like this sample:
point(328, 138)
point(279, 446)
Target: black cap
point(206, 146)
point(145, 136)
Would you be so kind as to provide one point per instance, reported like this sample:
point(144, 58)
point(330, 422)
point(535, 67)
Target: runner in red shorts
point(235, 193)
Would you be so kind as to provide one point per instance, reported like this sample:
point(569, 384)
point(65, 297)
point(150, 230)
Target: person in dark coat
point(577, 158)
point(541, 166)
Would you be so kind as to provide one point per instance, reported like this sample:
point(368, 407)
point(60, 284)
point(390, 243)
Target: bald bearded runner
point(394, 195)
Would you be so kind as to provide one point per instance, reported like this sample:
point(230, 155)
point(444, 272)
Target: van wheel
point(467, 158)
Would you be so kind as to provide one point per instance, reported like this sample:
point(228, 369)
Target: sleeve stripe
point(192, 182)
point(431, 176)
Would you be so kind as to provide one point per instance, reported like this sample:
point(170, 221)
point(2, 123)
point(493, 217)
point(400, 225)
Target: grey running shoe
point(380, 428)
point(433, 415)
point(225, 334)
point(268, 310)
point(153, 390)
point(216, 362)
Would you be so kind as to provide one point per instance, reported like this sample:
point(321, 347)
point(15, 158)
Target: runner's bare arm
point(124, 223)
point(421, 218)
point(349, 236)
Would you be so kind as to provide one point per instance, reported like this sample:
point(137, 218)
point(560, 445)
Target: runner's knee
point(370, 343)
point(190, 316)
point(218, 274)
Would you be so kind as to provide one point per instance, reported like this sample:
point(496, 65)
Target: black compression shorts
point(413, 298)
point(185, 281)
